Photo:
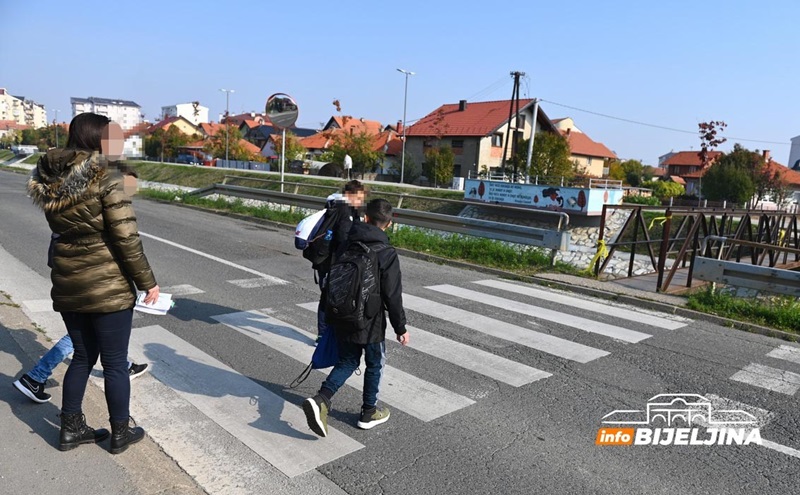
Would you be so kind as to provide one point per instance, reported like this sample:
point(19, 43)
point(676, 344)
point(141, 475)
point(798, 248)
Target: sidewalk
point(30, 461)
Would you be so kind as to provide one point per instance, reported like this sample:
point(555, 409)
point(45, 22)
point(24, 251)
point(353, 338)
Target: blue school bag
point(325, 355)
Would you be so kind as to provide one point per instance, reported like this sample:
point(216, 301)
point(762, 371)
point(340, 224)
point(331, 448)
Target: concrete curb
point(641, 302)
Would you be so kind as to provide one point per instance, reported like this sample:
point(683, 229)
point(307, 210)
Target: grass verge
point(5, 155)
point(780, 312)
point(31, 160)
point(519, 259)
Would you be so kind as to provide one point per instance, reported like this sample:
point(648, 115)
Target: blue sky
point(671, 64)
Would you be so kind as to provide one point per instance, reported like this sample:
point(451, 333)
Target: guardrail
point(555, 240)
point(758, 277)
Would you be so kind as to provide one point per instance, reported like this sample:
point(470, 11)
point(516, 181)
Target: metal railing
point(555, 240)
point(761, 278)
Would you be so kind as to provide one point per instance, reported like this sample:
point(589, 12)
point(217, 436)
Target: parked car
point(190, 159)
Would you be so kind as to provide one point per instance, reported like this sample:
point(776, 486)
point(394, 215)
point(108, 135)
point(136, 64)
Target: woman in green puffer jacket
point(98, 263)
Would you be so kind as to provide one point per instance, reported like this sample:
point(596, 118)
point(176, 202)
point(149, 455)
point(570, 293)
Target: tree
point(166, 144)
point(412, 170)
point(551, 156)
point(730, 178)
point(633, 170)
point(215, 145)
point(294, 150)
point(438, 164)
point(666, 189)
point(358, 146)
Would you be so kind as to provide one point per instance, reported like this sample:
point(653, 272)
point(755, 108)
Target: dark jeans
point(103, 335)
point(349, 359)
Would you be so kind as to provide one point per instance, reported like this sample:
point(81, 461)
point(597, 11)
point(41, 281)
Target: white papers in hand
point(160, 307)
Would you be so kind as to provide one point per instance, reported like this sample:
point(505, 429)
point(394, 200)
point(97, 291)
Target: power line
point(656, 126)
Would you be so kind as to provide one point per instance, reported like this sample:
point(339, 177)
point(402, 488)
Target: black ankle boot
point(74, 432)
point(122, 435)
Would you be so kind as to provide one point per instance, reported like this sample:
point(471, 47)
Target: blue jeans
point(44, 368)
point(349, 359)
point(104, 336)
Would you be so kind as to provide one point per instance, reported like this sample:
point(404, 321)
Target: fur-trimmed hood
point(63, 177)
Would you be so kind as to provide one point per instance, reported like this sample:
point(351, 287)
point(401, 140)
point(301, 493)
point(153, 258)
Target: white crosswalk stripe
point(539, 313)
point(769, 378)
point(787, 353)
point(419, 398)
point(253, 283)
point(464, 356)
point(662, 321)
point(506, 331)
point(181, 290)
point(262, 420)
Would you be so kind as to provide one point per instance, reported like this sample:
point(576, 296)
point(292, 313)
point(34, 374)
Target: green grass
point(219, 204)
point(780, 312)
point(31, 160)
point(484, 252)
point(310, 186)
point(5, 155)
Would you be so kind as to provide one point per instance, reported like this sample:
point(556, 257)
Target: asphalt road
point(462, 419)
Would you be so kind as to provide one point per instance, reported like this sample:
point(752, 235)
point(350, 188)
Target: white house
point(193, 112)
point(124, 112)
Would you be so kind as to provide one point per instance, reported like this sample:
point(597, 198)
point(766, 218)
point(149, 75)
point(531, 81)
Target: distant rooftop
point(104, 101)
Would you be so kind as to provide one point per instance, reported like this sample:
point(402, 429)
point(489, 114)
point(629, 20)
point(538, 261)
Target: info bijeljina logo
point(679, 419)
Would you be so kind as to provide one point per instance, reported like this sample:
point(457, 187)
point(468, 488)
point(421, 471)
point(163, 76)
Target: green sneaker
point(370, 419)
point(317, 415)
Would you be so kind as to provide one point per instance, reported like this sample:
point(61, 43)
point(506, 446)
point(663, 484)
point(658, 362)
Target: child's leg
point(44, 368)
point(349, 359)
point(375, 359)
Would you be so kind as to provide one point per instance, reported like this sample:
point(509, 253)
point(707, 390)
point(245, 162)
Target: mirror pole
point(283, 154)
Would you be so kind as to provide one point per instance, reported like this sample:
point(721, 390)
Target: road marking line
point(467, 357)
point(783, 449)
point(566, 319)
point(269, 425)
point(661, 321)
point(275, 280)
point(252, 283)
point(419, 398)
point(769, 378)
point(182, 290)
point(506, 331)
point(787, 353)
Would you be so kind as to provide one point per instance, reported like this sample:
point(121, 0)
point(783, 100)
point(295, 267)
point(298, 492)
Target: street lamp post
point(55, 121)
point(405, 103)
point(227, 114)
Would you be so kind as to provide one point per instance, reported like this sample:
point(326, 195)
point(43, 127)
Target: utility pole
point(55, 121)
point(514, 97)
point(227, 114)
point(405, 102)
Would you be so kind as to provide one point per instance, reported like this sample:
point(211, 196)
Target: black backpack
point(319, 246)
point(354, 287)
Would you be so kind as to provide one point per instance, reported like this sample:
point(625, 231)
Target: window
point(521, 122)
point(497, 139)
point(457, 143)
point(456, 170)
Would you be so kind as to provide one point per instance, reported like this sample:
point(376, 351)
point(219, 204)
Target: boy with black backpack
point(331, 239)
point(363, 285)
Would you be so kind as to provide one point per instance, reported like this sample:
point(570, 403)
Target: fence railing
point(555, 240)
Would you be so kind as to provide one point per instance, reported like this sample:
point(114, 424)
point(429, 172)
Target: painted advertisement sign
point(569, 199)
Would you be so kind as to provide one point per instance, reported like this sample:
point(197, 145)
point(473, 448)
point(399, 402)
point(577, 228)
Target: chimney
point(766, 155)
point(399, 127)
point(569, 130)
point(462, 105)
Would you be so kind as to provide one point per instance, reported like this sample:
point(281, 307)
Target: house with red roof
point(209, 129)
point(237, 120)
point(683, 163)
point(591, 156)
point(133, 147)
point(181, 123)
point(476, 131)
point(354, 125)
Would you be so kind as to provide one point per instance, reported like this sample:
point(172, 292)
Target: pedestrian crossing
point(771, 378)
point(423, 400)
point(464, 356)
